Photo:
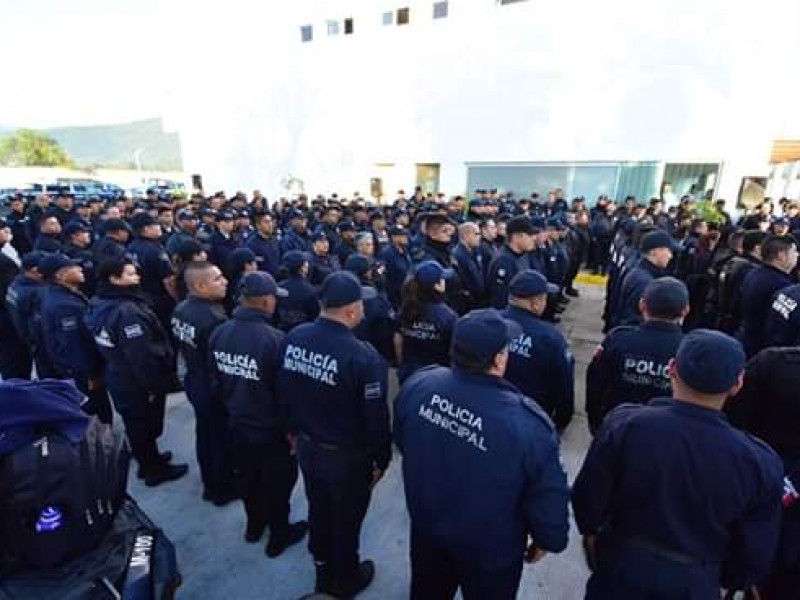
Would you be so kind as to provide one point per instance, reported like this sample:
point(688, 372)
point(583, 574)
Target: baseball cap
point(318, 235)
point(52, 263)
point(294, 213)
point(357, 263)
point(32, 259)
point(709, 362)
point(529, 283)
point(398, 230)
point(258, 283)
point(239, 258)
point(658, 239)
point(294, 259)
point(74, 227)
point(428, 273)
point(186, 215)
point(347, 226)
point(226, 215)
point(480, 334)
point(115, 225)
point(341, 288)
point(666, 297)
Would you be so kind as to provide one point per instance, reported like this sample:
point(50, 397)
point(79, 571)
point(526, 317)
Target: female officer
point(425, 321)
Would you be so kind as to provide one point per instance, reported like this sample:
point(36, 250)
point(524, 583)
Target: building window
point(388, 18)
point(348, 26)
point(306, 33)
point(333, 27)
point(439, 10)
point(403, 16)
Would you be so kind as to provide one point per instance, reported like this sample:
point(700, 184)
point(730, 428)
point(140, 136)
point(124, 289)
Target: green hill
point(115, 145)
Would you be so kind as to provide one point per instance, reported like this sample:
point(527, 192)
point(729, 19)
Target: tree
point(28, 148)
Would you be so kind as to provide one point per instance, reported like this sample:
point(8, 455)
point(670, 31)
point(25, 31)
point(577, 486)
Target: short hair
point(752, 239)
point(112, 267)
point(467, 227)
point(737, 237)
point(195, 272)
point(774, 245)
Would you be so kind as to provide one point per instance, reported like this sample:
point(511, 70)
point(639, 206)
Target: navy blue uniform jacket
point(632, 289)
point(334, 388)
point(267, 251)
point(541, 365)
point(681, 477)
point(136, 347)
point(192, 323)
point(757, 290)
point(481, 467)
point(630, 366)
point(244, 359)
point(782, 326)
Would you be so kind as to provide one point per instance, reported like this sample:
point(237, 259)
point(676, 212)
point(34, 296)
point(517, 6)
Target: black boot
point(164, 473)
point(357, 582)
point(254, 531)
point(324, 581)
point(163, 457)
point(278, 542)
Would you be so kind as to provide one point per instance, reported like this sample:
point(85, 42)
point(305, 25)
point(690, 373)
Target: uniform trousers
point(143, 416)
point(212, 438)
point(15, 359)
point(436, 574)
point(337, 483)
point(267, 473)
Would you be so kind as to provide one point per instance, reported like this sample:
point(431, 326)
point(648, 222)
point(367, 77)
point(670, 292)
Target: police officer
point(732, 275)
point(116, 234)
point(425, 321)
point(483, 481)
point(767, 407)
point(193, 322)
point(67, 340)
point(301, 305)
point(155, 266)
point(511, 259)
point(779, 258)
point(657, 248)
point(469, 266)
point(48, 239)
point(244, 359)
point(185, 230)
point(139, 359)
point(672, 501)
point(296, 236)
point(398, 263)
point(540, 362)
point(322, 263)
point(23, 303)
point(346, 246)
point(224, 241)
point(20, 223)
point(782, 324)
point(632, 363)
point(264, 243)
point(240, 262)
point(77, 244)
point(15, 359)
point(380, 319)
point(334, 388)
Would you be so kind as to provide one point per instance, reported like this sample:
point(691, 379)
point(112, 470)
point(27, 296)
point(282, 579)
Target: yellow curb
point(591, 279)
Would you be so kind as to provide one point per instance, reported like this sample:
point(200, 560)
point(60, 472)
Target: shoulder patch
point(69, 324)
point(133, 331)
point(373, 390)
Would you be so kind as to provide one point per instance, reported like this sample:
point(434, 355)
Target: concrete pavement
point(216, 563)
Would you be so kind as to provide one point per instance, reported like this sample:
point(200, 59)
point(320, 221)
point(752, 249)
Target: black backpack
point(58, 499)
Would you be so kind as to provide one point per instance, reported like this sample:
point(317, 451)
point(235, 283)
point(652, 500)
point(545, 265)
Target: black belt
point(329, 447)
point(665, 553)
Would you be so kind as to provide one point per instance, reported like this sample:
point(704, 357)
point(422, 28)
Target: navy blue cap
point(258, 284)
point(666, 297)
point(538, 223)
point(628, 225)
point(186, 215)
point(239, 258)
point(347, 226)
point(658, 239)
point(32, 259)
point(529, 283)
point(428, 273)
point(781, 221)
point(520, 224)
point(318, 235)
point(74, 227)
point(480, 334)
point(226, 215)
point(208, 212)
point(398, 230)
point(52, 263)
point(142, 220)
point(357, 263)
point(709, 361)
point(3, 223)
point(294, 213)
point(552, 222)
point(294, 259)
point(341, 288)
point(115, 225)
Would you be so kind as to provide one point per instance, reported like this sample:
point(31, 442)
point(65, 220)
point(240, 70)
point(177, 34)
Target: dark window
point(306, 33)
point(403, 16)
point(348, 26)
point(439, 10)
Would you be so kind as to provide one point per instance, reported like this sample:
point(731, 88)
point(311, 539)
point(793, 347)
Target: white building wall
point(674, 80)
